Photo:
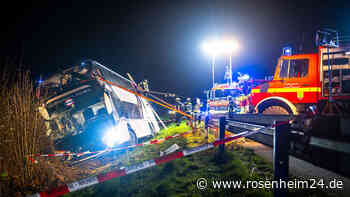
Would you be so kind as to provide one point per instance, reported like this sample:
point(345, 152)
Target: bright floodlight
point(212, 47)
point(229, 46)
point(220, 46)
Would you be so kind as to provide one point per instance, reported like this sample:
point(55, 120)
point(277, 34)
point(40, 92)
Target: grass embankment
point(172, 129)
point(22, 133)
point(178, 178)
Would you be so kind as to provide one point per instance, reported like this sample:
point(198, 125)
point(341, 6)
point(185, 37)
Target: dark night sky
point(161, 40)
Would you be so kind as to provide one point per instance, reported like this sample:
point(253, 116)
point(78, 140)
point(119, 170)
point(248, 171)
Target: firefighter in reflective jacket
point(197, 112)
point(231, 104)
point(188, 106)
point(179, 106)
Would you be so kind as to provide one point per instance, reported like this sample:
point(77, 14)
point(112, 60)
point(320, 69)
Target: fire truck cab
point(220, 96)
point(301, 82)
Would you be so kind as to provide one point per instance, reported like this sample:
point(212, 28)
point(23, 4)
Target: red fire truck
point(313, 91)
point(231, 97)
point(301, 83)
point(219, 97)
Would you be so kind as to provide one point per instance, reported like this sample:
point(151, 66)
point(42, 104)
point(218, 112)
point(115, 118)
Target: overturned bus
point(89, 105)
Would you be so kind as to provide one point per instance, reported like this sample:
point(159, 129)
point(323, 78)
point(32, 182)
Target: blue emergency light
point(287, 51)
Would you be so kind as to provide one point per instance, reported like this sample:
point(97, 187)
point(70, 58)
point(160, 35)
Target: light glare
point(220, 46)
point(116, 135)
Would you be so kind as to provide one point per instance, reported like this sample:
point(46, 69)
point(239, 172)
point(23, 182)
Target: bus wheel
point(276, 110)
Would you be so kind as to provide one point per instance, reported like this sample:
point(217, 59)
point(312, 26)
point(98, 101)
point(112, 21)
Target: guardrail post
point(222, 128)
point(206, 126)
point(281, 145)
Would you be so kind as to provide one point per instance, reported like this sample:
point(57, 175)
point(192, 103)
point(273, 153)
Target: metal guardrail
point(322, 146)
point(280, 133)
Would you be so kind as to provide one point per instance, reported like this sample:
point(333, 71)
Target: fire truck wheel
point(276, 110)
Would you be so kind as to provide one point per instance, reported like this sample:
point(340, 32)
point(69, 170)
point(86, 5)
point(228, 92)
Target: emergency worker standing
point(230, 104)
point(197, 111)
point(179, 106)
point(188, 106)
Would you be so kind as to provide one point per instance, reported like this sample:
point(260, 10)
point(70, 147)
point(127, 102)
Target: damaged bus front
point(88, 106)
